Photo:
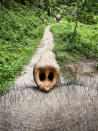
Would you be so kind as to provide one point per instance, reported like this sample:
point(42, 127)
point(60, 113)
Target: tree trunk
point(76, 24)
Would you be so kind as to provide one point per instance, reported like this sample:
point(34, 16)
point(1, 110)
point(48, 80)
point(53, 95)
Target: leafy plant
point(62, 56)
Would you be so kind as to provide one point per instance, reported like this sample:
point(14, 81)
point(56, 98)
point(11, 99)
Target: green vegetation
point(21, 30)
point(68, 46)
point(85, 9)
point(22, 24)
point(60, 57)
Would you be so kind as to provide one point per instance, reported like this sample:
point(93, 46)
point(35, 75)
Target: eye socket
point(42, 76)
point(51, 76)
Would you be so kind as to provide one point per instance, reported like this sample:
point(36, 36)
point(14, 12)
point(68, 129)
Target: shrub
point(83, 43)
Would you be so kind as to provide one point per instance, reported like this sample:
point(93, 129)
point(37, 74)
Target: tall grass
point(84, 43)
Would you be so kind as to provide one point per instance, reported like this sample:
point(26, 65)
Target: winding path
point(47, 44)
point(65, 108)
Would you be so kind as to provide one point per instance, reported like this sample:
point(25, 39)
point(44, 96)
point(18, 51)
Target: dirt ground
point(83, 72)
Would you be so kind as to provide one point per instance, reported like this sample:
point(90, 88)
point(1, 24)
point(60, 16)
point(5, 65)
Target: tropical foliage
point(22, 24)
point(84, 43)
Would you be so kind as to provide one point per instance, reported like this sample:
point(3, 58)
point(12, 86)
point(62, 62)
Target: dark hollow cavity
point(51, 76)
point(42, 76)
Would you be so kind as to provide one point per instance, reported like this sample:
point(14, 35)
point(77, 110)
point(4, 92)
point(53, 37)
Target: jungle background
point(22, 24)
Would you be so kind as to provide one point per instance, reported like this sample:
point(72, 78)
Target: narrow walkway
point(26, 78)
